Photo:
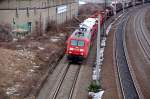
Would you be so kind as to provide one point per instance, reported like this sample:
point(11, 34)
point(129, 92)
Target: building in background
point(29, 12)
point(96, 1)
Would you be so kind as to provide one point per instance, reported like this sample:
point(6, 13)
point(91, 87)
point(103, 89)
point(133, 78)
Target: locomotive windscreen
point(80, 43)
point(77, 43)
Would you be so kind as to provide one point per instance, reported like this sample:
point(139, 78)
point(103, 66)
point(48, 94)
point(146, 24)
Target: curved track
point(139, 49)
point(128, 83)
point(133, 70)
point(141, 34)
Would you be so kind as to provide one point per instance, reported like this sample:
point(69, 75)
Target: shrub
point(93, 87)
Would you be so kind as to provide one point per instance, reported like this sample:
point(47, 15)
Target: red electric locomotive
point(78, 44)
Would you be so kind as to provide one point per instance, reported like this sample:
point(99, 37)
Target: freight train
point(79, 43)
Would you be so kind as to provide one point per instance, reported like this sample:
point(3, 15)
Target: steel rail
point(60, 83)
point(128, 88)
point(62, 80)
point(138, 89)
point(144, 34)
point(143, 42)
point(49, 71)
point(74, 83)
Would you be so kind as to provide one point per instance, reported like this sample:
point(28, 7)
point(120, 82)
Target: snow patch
point(82, 2)
point(36, 66)
point(25, 53)
point(61, 34)
point(31, 70)
point(55, 39)
point(41, 48)
point(103, 42)
point(108, 29)
point(13, 90)
point(14, 39)
point(101, 53)
point(97, 95)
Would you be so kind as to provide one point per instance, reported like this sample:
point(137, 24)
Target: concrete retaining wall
point(27, 13)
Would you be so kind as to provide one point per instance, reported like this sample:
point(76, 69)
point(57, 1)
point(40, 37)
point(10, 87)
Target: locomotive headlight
point(81, 50)
point(81, 53)
point(71, 49)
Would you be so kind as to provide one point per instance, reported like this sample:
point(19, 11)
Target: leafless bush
point(3, 95)
point(52, 25)
point(38, 30)
point(89, 9)
point(5, 34)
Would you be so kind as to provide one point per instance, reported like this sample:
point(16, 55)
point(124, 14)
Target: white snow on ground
point(13, 90)
point(41, 48)
point(31, 70)
point(82, 2)
point(36, 66)
point(94, 76)
point(25, 53)
point(61, 34)
point(101, 53)
point(57, 38)
point(103, 43)
point(54, 40)
point(108, 29)
point(97, 95)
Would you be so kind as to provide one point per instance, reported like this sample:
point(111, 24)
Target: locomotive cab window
point(74, 42)
point(77, 43)
point(80, 43)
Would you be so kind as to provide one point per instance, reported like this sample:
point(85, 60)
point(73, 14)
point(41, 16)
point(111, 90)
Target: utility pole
point(143, 1)
point(98, 51)
point(78, 9)
point(123, 4)
point(104, 26)
point(8, 4)
point(133, 3)
point(48, 5)
point(115, 9)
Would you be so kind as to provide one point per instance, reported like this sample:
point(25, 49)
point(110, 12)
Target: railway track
point(129, 88)
point(63, 79)
point(142, 35)
point(66, 85)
